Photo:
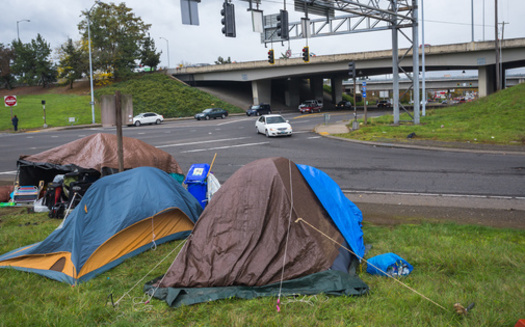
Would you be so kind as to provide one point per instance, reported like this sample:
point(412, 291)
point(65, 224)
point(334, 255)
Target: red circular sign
point(10, 100)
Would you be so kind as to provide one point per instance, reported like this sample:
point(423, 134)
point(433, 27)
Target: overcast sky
point(446, 21)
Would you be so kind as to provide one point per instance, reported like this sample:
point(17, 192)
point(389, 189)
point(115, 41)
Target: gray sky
point(446, 21)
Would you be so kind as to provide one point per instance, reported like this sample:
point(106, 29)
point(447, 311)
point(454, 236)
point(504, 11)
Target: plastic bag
point(388, 264)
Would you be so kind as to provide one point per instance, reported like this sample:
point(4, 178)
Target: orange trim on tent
point(139, 234)
point(58, 261)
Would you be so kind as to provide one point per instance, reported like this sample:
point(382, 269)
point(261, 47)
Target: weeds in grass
point(452, 263)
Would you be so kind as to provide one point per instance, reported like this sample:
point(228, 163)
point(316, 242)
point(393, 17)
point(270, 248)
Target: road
point(355, 167)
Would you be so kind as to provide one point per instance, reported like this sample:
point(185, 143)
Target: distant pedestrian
point(14, 120)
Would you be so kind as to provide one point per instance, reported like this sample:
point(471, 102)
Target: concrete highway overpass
point(285, 79)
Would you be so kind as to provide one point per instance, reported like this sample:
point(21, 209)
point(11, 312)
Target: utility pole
point(502, 79)
point(168, 49)
point(18, 29)
point(498, 83)
point(472, 18)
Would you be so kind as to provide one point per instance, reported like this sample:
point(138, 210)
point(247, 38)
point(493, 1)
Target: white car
point(147, 118)
point(273, 125)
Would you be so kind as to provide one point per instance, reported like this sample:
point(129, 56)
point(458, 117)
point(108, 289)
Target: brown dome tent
point(95, 154)
point(249, 229)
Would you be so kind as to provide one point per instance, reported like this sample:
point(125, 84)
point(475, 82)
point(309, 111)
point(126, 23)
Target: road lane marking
point(200, 142)
point(472, 196)
point(13, 172)
point(225, 147)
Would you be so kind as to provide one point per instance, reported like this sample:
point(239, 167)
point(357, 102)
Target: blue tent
point(120, 216)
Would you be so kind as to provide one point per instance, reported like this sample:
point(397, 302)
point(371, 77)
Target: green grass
point(165, 96)
point(452, 263)
point(150, 92)
point(58, 109)
point(496, 119)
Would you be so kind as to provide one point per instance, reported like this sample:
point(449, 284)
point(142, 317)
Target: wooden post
point(118, 118)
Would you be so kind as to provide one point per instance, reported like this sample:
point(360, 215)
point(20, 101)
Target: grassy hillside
point(495, 119)
point(165, 96)
point(150, 92)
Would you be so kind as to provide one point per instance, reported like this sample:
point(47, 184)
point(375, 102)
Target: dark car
point(212, 113)
point(258, 110)
point(344, 105)
point(384, 104)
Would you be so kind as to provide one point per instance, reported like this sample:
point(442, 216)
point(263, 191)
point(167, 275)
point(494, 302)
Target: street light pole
point(92, 103)
point(17, 28)
point(168, 47)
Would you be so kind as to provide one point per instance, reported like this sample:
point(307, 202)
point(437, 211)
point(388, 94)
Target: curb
point(339, 130)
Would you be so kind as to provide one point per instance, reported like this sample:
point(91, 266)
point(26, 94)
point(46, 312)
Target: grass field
point(150, 92)
point(495, 119)
point(452, 263)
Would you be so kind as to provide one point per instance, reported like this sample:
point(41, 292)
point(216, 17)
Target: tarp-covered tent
point(120, 216)
point(237, 247)
point(97, 154)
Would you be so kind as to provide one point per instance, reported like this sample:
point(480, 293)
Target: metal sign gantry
point(361, 16)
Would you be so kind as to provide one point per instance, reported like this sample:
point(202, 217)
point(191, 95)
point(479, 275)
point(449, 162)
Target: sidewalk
point(340, 127)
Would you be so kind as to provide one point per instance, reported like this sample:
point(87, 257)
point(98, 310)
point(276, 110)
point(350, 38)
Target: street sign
point(10, 100)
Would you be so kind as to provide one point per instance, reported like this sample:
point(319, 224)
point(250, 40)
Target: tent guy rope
point(287, 234)
point(149, 272)
point(347, 249)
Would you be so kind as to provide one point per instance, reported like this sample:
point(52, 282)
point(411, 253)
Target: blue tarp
point(112, 204)
point(345, 214)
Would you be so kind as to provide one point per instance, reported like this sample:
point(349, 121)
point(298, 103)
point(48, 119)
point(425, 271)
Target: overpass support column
point(337, 89)
point(486, 80)
point(292, 94)
point(316, 87)
point(262, 91)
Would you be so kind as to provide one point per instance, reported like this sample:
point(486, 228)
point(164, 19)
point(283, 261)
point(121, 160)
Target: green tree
point(116, 37)
point(32, 63)
point(7, 55)
point(221, 61)
point(73, 61)
point(148, 55)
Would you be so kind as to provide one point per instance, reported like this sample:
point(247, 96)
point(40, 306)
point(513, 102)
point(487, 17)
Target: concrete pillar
point(486, 80)
point(337, 89)
point(262, 91)
point(316, 88)
point(107, 112)
point(292, 94)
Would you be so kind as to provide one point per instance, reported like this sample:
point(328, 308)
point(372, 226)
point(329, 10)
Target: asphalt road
point(402, 180)
point(353, 166)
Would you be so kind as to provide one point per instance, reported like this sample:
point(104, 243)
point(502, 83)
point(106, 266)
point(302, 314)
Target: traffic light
point(282, 25)
point(351, 69)
point(271, 57)
point(228, 19)
point(306, 54)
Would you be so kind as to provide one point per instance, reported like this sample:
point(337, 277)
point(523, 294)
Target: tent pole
point(209, 171)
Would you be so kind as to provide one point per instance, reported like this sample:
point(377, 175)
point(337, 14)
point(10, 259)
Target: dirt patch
point(389, 214)
point(79, 88)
